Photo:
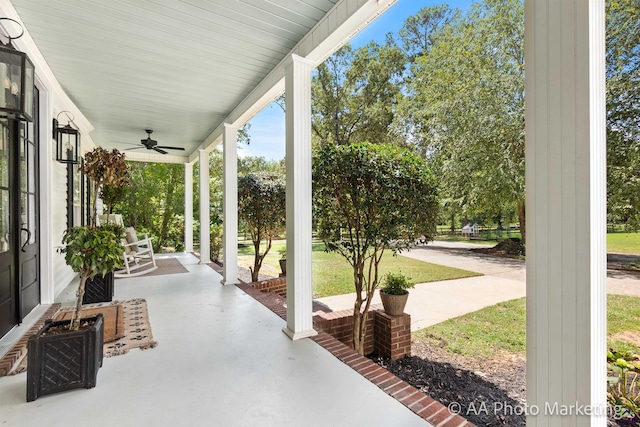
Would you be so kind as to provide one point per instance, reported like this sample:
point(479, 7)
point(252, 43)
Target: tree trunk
point(358, 326)
point(256, 261)
point(168, 212)
point(453, 222)
point(522, 220)
point(75, 320)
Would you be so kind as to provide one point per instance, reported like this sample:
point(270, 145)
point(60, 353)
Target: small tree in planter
point(63, 361)
point(262, 206)
point(105, 168)
point(369, 199)
point(109, 174)
point(90, 251)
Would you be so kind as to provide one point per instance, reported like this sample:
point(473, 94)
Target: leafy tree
point(155, 202)
point(354, 94)
point(111, 195)
point(465, 106)
point(244, 134)
point(370, 198)
point(262, 207)
point(255, 164)
point(419, 32)
point(623, 111)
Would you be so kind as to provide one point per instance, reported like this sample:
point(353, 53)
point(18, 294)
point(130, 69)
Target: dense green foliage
point(370, 198)
point(262, 208)
point(623, 111)
point(464, 107)
point(91, 251)
point(624, 391)
point(155, 202)
point(111, 195)
point(354, 94)
point(215, 241)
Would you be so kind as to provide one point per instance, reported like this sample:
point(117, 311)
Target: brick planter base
point(387, 336)
point(392, 335)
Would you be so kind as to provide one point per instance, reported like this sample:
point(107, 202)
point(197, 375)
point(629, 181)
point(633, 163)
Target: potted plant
point(67, 354)
point(283, 260)
point(394, 293)
point(109, 174)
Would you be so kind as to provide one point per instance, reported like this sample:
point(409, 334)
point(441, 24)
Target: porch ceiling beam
point(341, 23)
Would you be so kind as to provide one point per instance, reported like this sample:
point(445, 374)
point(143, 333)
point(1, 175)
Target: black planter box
point(98, 289)
point(65, 361)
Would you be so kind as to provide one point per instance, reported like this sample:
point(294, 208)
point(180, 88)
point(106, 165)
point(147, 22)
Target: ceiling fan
point(152, 144)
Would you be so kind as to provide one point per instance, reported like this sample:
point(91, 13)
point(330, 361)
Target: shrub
point(216, 241)
point(624, 390)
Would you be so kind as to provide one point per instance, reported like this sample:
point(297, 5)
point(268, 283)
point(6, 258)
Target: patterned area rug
point(137, 333)
point(137, 329)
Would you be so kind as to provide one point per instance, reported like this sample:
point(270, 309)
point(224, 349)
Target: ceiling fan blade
point(159, 150)
point(132, 148)
point(170, 148)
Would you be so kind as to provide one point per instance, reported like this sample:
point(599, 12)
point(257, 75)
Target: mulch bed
point(450, 378)
point(471, 382)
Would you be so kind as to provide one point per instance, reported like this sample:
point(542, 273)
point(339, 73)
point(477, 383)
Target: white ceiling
point(178, 67)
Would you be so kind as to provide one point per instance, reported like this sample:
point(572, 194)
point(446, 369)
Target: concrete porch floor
point(221, 360)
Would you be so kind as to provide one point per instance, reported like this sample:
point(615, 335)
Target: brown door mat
point(113, 319)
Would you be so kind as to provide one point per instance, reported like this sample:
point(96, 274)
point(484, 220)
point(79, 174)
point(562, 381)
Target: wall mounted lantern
point(16, 81)
point(67, 141)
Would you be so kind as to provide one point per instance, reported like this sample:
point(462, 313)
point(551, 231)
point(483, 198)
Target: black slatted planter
point(98, 289)
point(64, 361)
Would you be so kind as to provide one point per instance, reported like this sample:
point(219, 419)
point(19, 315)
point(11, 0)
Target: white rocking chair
point(138, 255)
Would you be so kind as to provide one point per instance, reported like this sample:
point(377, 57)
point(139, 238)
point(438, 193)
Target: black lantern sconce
point(16, 81)
point(67, 141)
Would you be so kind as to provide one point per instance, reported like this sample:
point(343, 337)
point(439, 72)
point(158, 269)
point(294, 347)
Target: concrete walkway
point(503, 279)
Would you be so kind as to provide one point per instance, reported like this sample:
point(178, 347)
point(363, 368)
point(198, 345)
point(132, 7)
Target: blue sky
point(267, 127)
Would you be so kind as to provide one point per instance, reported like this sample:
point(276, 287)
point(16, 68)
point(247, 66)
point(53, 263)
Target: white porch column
point(230, 205)
point(188, 207)
point(566, 210)
point(299, 227)
point(204, 208)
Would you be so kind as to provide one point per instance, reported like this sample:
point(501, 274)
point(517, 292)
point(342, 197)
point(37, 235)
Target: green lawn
point(333, 276)
point(627, 243)
point(270, 265)
point(501, 327)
